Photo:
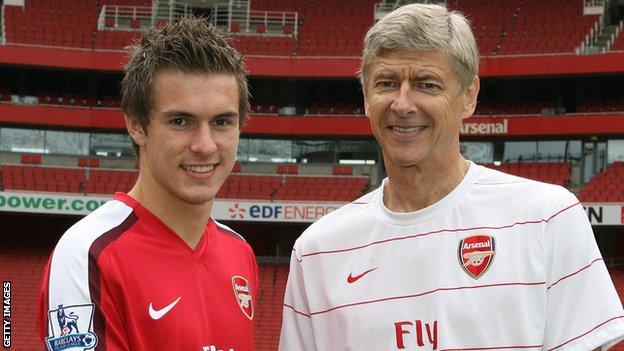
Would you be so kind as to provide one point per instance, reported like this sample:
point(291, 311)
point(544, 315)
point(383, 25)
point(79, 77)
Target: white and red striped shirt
point(501, 262)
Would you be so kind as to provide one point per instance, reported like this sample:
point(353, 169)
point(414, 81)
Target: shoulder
point(71, 265)
point(233, 239)
point(496, 187)
point(339, 221)
point(224, 229)
point(103, 226)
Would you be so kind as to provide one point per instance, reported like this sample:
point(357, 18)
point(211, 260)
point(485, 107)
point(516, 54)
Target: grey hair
point(419, 27)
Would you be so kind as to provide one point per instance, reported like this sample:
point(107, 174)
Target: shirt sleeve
point(76, 309)
point(583, 308)
point(297, 330)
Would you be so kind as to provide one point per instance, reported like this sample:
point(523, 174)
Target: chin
point(198, 199)
point(405, 162)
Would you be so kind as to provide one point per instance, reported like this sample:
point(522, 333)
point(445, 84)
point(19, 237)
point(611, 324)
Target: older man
point(445, 254)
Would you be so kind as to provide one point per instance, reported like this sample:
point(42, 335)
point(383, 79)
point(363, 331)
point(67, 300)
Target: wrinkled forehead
point(410, 62)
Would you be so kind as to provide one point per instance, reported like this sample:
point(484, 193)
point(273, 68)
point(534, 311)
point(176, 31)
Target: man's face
point(190, 145)
point(415, 105)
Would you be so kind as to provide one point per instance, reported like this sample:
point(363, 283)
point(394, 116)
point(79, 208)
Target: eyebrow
point(418, 77)
point(177, 113)
point(426, 76)
point(183, 113)
point(384, 74)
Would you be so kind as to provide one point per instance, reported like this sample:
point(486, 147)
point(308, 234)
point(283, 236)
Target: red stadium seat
point(235, 27)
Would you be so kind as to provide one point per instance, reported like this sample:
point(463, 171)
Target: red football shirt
point(120, 279)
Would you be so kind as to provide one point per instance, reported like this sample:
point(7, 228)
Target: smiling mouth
point(407, 129)
point(197, 168)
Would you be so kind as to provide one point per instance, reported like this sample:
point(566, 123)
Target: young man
point(446, 254)
point(151, 270)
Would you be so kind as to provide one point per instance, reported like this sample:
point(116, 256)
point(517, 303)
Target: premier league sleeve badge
point(71, 328)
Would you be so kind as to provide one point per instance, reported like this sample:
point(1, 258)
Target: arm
point(67, 308)
point(583, 309)
point(297, 329)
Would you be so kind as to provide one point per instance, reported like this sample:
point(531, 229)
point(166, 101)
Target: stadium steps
point(607, 186)
point(269, 305)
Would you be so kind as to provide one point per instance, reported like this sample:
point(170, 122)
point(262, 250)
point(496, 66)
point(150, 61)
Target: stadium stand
point(109, 181)
point(618, 44)
point(326, 28)
point(40, 178)
point(607, 186)
point(617, 274)
point(547, 27)
point(337, 188)
point(502, 27)
point(283, 186)
point(548, 172)
point(330, 109)
point(610, 105)
point(23, 267)
point(29, 159)
point(269, 304)
point(286, 185)
point(325, 18)
point(505, 109)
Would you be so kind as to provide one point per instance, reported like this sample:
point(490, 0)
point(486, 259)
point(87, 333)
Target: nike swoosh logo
point(157, 314)
point(351, 279)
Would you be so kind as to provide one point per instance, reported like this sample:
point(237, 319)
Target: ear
point(135, 130)
point(470, 98)
point(366, 108)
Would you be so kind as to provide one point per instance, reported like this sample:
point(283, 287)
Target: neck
point(187, 220)
point(413, 188)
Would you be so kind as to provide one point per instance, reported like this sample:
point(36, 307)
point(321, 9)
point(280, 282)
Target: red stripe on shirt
point(95, 250)
point(413, 236)
point(587, 332)
point(422, 294)
point(298, 312)
point(494, 348)
point(574, 273)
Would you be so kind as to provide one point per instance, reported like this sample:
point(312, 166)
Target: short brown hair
point(189, 45)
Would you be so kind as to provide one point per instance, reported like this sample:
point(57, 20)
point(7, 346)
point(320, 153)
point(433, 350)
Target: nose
point(403, 102)
point(202, 141)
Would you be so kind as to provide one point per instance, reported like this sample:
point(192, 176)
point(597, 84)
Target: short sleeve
point(68, 315)
point(583, 308)
point(297, 331)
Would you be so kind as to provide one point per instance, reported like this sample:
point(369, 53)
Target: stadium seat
point(606, 186)
point(34, 159)
point(235, 27)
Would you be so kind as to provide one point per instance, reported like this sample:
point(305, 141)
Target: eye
point(385, 84)
point(179, 122)
point(224, 121)
point(429, 87)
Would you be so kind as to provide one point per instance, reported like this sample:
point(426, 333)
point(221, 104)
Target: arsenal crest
point(242, 293)
point(476, 254)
